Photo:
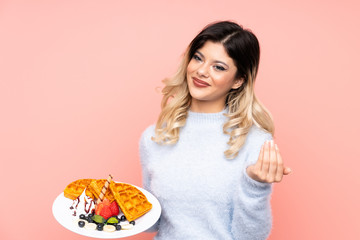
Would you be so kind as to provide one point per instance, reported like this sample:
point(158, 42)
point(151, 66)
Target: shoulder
point(256, 138)
point(258, 135)
point(147, 134)
point(145, 143)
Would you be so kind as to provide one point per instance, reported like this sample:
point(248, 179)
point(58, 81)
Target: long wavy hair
point(244, 109)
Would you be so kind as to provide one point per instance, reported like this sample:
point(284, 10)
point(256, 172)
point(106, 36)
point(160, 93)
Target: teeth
point(109, 228)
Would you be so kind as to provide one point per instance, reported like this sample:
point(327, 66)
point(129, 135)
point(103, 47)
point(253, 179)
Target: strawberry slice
point(106, 212)
point(114, 208)
point(98, 208)
point(101, 205)
point(106, 202)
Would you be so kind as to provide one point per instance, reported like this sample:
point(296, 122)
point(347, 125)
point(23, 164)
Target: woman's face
point(210, 76)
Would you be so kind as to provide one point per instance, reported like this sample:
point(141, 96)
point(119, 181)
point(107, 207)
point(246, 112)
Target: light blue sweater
point(203, 195)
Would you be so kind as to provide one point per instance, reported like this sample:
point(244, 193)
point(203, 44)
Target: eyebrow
point(216, 61)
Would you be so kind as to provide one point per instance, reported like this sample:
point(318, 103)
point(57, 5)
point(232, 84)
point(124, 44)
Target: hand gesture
point(269, 167)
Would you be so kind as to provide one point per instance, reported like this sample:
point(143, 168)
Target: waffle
point(131, 200)
point(75, 189)
point(93, 190)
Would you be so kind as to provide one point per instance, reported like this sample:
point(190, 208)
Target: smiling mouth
point(199, 83)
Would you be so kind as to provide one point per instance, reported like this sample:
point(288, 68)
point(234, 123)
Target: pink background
point(78, 85)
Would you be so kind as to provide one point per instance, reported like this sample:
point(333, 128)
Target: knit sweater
point(204, 195)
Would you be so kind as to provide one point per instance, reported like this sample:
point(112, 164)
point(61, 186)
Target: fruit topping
point(109, 228)
point(114, 207)
point(127, 226)
point(112, 220)
point(98, 208)
point(90, 226)
point(118, 227)
point(98, 219)
point(122, 218)
point(132, 222)
point(82, 216)
point(101, 205)
point(81, 223)
point(89, 219)
point(103, 209)
point(106, 212)
point(100, 227)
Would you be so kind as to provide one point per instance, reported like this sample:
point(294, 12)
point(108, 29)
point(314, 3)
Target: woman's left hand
point(269, 167)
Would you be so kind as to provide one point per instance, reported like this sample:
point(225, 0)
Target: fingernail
point(272, 143)
point(276, 147)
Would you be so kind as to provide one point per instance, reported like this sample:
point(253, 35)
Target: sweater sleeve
point(144, 160)
point(252, 218)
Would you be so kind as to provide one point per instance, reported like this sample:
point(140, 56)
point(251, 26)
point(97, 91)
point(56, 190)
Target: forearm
point(252, 211)
point(144, 159)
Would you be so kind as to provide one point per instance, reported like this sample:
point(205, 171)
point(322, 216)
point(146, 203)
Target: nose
point(203, 71)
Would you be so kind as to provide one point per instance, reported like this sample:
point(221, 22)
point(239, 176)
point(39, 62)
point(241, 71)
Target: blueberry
point(81, 224)
point(82, 216)
point(89, 219)
point(90, 215)
point(132, 222)
point(100, 227)
point(118, 227)
point(123, 218)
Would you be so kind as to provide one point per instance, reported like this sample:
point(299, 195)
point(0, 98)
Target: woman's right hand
point(269, 167)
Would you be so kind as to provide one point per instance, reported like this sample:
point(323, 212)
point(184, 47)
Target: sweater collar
point(199, 117)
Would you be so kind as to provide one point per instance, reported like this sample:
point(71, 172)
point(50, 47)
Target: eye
point(197, 57)
point(219, 68)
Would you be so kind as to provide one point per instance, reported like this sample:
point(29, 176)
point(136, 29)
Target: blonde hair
point(174, 106)
point(244, 109)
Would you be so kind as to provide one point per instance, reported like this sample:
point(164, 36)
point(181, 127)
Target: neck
point(206, 107)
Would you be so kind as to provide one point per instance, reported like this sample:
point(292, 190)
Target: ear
point(238, 83)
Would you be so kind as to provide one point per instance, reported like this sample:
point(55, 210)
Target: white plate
point(63, 214)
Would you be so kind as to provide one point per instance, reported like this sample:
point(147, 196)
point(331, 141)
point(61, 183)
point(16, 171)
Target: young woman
point(210, 160)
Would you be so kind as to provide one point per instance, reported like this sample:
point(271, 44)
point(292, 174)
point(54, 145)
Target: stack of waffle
point(131, 200)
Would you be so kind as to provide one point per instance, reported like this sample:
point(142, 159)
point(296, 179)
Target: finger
point(266, 160)
point(273, 163)
point(287, 171)
point(280, 166)
point(259, 162)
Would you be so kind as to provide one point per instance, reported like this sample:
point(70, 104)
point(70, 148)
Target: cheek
point(224, 83)
point(188, 71)
point(190, 68)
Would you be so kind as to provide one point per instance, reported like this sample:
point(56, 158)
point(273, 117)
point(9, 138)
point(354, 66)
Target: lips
point(199, 83)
